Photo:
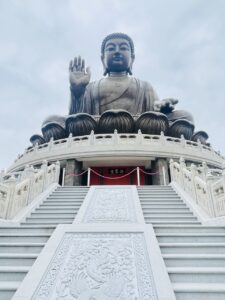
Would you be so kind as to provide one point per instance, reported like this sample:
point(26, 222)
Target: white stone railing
point(106, 145)
point(205, 190)
point(16, 194)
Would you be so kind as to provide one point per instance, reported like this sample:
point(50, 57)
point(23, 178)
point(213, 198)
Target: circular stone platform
point(126, 148)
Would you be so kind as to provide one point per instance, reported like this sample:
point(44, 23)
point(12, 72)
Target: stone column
point(162, 178)
point(72, 167)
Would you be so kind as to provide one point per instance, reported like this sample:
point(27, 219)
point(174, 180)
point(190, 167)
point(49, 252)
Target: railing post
point(138, 176)
point(89, 177)
point(193, 186)
point(164, 175)
point(63, 176)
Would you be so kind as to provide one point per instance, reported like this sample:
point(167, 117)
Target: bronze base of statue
point(152, 123)
point(202, 136)
point(80, 124)
point(53, 130)
point(37, 139)
point(181, 127)
point(121, 120)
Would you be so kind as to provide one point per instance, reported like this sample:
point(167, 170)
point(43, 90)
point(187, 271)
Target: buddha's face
point(117, 56)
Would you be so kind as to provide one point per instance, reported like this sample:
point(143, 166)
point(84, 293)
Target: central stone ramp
point(20, 245)
point(194, 254)
point(107, 253)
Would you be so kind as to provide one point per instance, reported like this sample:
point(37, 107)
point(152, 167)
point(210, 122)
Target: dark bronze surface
point(202, 136)
point(37, 139)
point(80, 124)
point(181, 127)
point(116, 98)
point(120, 120)
point(152, 123)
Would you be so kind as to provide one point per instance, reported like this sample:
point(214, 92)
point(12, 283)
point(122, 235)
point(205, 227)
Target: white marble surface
point(111, 204)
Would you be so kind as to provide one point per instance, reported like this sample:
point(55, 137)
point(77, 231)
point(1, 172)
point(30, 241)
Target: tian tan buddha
point(119, 101)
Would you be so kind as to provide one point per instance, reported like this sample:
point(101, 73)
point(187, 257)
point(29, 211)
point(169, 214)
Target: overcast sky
point(179, 46)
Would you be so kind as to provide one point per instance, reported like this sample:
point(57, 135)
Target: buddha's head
point(117, 53)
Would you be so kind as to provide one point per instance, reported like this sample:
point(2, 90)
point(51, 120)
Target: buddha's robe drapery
point(135, 96)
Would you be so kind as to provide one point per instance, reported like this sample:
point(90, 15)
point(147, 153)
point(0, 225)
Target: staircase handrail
point(206, 190)
point(14, 195)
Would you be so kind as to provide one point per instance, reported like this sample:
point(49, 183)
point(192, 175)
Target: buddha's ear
point(105, 70)
point(129, 71)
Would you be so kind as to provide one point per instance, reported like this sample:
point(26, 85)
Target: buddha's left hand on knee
point(166, 105)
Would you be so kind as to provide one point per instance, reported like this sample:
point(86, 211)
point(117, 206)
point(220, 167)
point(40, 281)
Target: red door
point(115, 176)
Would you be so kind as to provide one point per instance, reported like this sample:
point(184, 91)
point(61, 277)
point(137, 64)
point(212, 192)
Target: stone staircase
point(20, 245)
point(193, 254)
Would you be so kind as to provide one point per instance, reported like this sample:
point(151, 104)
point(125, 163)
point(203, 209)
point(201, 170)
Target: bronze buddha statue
point(119, 100)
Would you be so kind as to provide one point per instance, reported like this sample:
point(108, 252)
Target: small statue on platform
point(118, 100)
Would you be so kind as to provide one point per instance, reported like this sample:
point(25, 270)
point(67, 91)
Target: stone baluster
point(204, 170)
point(182, 166)
point(92, 138)
point(44, 167)
point(172, 169)
point(193, 174)
point(11, 184)
point(115, 137)
point(183, 141)
point(139, 137)
point(162, 138)
point(57, 172)
point(69, 140)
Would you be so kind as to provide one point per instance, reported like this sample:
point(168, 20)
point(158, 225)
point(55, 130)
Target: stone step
point(192, 248)
point(156, 192)
point(172, 222)
point(62, 201)
point(17, 259)
point(24, 237)
point(203, 275)
point(167, 218)
point(163, 200)
point(159, 197)
point(31, 229)
point(54, 210)
point(73, 188)
point(162, 203)
point(63, 196)
point(27, 225)
point(191, 237)
point(171, 214)
point(13, 273)
point(68, 193)
point(49, 220)
point(164, 206)
point(164, 210)
point(188, 229)
point(154, 187)
point(75, 199)
point(21, 247)
point(199, 291)
point(59, 206)
point(58, 214)
point(8, 289)
point(194, 260)
point(84, 190)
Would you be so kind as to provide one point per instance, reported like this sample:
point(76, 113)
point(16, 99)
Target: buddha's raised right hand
point(79, 76)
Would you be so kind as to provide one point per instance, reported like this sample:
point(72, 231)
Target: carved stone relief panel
point(99, 266)
point(114, 204)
